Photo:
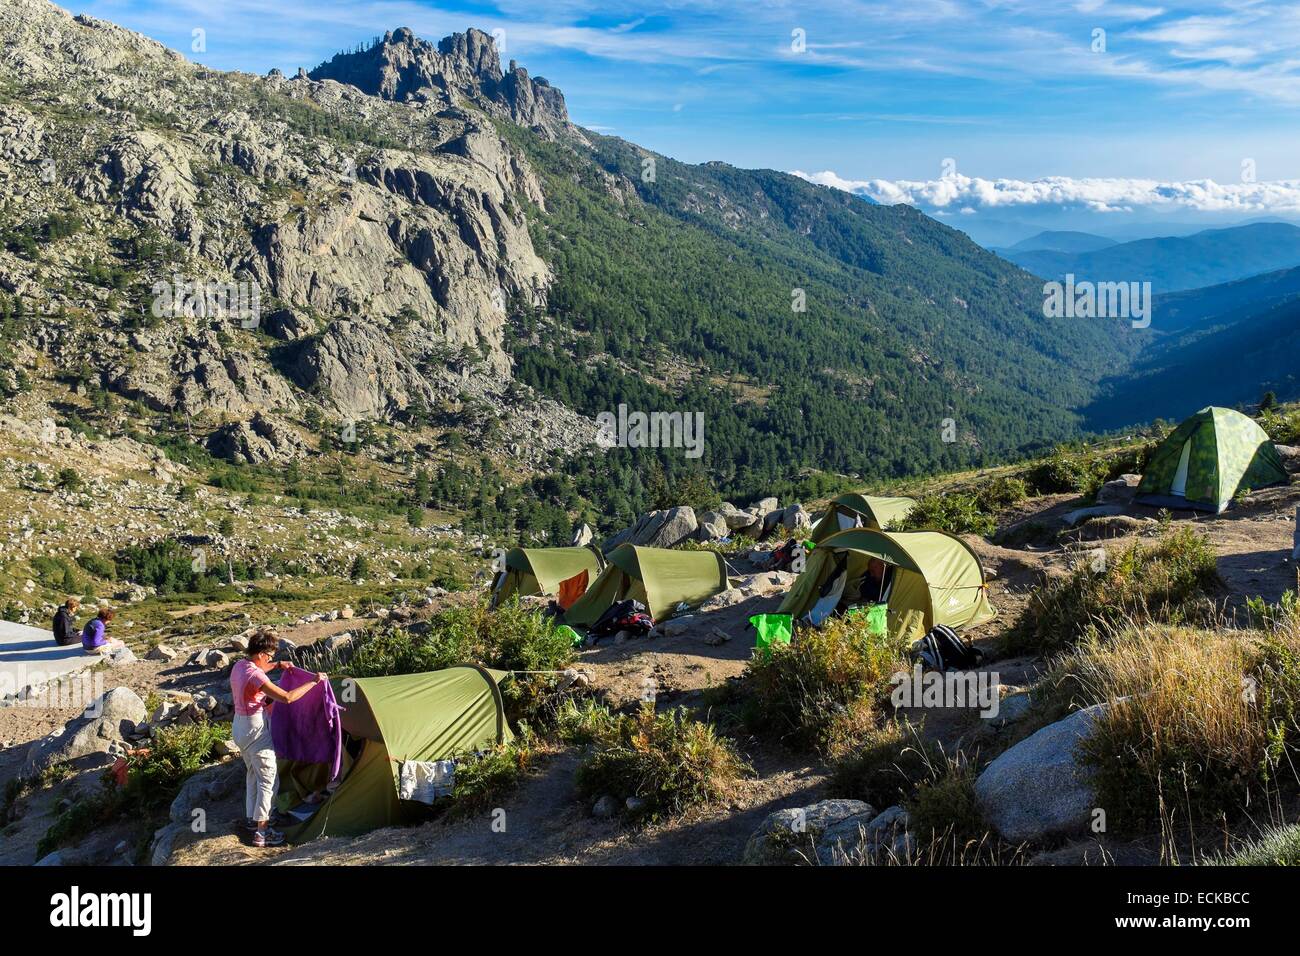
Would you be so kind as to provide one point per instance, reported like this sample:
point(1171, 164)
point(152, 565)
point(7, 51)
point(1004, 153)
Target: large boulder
point(792, 836)
point(712, 526)
point(261, 440)
point(851, 840)
point(202, 791)
point(87, 740)
point(658, 529)
point(1037, 789)
point(1120, 491)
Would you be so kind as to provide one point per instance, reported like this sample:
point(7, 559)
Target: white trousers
point(253, 737)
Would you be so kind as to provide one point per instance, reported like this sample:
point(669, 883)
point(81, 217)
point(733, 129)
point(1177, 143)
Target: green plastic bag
point(574, 636)
point(772, 629)
point(877, 616)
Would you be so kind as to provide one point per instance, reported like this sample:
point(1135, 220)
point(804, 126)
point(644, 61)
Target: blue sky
point(884, 90)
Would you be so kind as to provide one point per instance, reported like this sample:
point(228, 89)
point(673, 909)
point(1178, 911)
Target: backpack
point(626, 615)
point(942, 650)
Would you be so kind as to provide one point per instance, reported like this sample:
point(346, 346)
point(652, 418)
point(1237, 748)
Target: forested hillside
point(678, 292)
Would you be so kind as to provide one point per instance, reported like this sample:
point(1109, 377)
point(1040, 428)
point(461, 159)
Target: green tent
point(430, 716)
point(1207, 460)
point(861, 511)
point(540, 570)
point(935, 579)
point(659, 578)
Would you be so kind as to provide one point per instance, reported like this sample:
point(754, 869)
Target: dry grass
point(1200, 721)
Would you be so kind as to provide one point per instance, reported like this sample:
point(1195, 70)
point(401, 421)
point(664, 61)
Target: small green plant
point(1168, 582)
point(669, 761)
point(823, 690)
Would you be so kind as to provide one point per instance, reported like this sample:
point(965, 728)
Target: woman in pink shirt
point(253, 694)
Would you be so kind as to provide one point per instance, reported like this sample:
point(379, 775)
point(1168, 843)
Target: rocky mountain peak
point(402, 66)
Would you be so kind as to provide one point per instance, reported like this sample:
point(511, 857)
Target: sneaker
point(267, 837)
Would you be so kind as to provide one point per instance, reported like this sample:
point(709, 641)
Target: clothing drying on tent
point(861, 511)
point(1207, 460)
point(543, 570)
point(390, 721)
point(308, 730)
point(659, 578)
point(932, 577)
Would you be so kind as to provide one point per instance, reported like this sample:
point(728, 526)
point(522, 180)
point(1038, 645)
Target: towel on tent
point(571, 589)
point(309, 729)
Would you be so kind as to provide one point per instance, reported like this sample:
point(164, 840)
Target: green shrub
point(670, 761)
point(98, 566)
point(886, 767)
point(1167, 582)
point(1277, 846)
point(511, 638)
point(955, 512)
point(482, 781)
point(944, 809)
point(823, 690)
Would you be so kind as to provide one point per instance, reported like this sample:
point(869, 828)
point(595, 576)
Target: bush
point(944, 809)
point(511, 638)
point(1278, 846)
point(98, 566)
point(483, 780)
point(823, 689)
point(954, 512)
point(1163, 583)
point(886, 767)
point(669, 760)
point(1198, 724)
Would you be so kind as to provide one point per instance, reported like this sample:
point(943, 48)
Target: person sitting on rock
point(253, 694)
point(94, 637)
point(65, 623)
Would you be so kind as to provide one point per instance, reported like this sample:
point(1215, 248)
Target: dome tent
point(660, 578)
point(861, 511)
point(1209, 459)
point(541, 570)
point(936, 578)
point(434, 715)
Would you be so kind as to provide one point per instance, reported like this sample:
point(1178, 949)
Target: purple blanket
point(309, 729)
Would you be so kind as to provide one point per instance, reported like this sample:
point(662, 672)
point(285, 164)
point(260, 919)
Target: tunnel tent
point(660, 578)
point(542, 570)
point(436, 715)
point(1208, 460)
point(935, 578)
point(861, 511)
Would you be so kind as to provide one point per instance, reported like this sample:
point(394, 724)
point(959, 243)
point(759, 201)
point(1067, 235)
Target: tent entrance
point(1179, 485)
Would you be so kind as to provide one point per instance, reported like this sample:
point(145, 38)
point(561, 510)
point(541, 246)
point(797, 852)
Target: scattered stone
point(161, 652)
point(791, 836)
point(605, 808)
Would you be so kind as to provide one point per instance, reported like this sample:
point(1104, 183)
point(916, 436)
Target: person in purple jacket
point(94, 637)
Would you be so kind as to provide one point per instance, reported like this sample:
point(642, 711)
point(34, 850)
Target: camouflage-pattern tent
point(861, 511)
point(1209, 459)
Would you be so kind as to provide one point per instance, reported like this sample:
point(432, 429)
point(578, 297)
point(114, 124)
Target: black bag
point(942, 650)
point(626, 615)
point(783, 557)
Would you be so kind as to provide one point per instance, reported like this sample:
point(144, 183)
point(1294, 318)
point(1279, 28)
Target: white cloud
point(1099, 195)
